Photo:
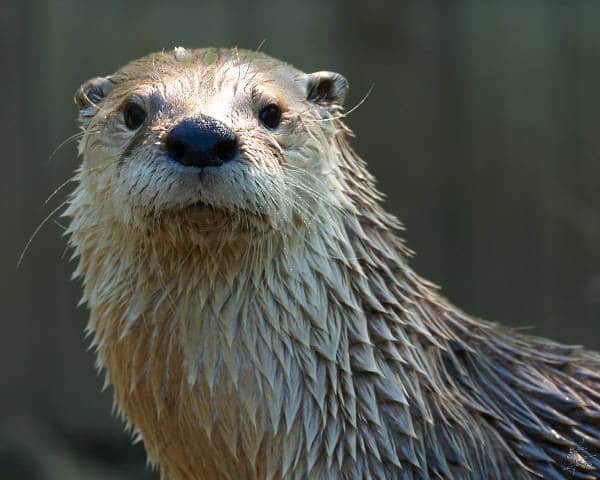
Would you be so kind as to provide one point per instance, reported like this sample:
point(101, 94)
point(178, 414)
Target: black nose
point(201, 141)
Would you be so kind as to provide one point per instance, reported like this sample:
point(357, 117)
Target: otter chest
point(214, 396)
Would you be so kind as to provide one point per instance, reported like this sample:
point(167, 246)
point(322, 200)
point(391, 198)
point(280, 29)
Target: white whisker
point(36, 231)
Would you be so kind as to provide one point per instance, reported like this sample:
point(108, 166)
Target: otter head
point(210, 137)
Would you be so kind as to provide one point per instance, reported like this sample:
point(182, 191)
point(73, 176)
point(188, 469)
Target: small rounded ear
point(327, 88)
point(90, 95)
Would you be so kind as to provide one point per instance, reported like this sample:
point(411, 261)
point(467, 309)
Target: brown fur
point(281, 333)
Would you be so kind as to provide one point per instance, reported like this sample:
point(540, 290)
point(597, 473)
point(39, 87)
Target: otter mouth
point(204, 208)
point(201, 206)
point(198, 206)
point(206, 211)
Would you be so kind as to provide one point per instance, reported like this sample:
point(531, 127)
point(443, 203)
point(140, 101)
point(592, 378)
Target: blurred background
point(482, 128)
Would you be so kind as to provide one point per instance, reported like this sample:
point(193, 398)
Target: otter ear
point(327, 89)
point(90, 95)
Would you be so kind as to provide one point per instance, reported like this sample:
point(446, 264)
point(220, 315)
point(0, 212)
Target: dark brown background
point(482, 128)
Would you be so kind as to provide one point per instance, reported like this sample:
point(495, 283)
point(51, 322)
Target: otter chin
point(252, 304)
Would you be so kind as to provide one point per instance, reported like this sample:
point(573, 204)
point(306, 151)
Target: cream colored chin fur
point(318, 353)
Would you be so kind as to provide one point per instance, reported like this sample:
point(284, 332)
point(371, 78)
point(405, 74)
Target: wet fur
point(299, 343)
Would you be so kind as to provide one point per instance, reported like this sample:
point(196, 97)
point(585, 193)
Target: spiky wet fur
point(312, 350)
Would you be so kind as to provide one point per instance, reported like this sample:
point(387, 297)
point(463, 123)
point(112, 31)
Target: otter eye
point(270, 116)
point(134, 115)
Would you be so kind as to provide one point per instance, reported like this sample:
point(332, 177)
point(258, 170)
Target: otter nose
point(201, 141)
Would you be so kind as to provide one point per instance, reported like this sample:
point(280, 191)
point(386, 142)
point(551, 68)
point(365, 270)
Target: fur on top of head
point(278, 175)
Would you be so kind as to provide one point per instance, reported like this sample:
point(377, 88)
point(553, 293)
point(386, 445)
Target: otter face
point(201, 133)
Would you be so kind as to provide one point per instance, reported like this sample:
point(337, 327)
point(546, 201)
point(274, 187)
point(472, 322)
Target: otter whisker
point(260, 45)
point(345, 114)
point(73, 179)
point(36, 231)
point(60, 225)
point(303, 187)
point(73, 137)
point(58, 189)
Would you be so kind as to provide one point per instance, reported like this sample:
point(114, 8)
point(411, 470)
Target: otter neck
point(294, 335)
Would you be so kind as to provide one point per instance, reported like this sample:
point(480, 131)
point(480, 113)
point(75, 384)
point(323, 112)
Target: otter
point(253, 307)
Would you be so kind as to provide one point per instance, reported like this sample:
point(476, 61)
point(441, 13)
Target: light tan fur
point(279, 332)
